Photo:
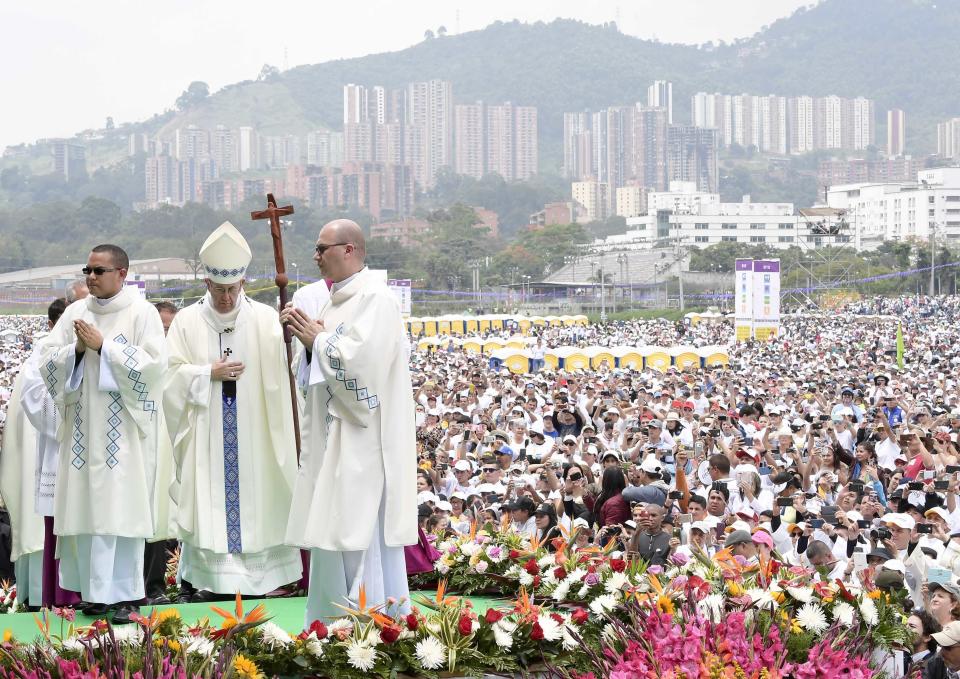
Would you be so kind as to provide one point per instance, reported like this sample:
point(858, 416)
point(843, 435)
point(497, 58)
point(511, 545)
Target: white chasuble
point(234, 449)
point(108, 443)
point(354, 503)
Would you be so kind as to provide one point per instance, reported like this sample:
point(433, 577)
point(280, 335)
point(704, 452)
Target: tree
point(442, 31)
point(109, 125)
point(269, 72)
point(195, 93)
point(428, 34)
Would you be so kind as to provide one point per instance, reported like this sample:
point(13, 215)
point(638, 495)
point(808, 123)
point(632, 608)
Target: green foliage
point(195, 93)
point(721, 257)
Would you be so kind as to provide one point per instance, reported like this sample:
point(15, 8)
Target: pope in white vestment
point(354, 503)
point(108, 397)
point(233, 436)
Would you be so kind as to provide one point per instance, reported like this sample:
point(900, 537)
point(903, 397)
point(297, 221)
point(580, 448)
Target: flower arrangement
point(449, 636)
point(8, 598)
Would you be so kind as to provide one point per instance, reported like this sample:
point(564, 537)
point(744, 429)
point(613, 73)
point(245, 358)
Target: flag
point(900, 346)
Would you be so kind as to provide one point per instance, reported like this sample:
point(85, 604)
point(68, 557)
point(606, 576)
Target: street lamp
point(525, 288)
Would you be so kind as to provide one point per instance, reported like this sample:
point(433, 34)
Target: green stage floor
point(288, 613)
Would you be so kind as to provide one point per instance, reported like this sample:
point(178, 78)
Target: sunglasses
point(489, 470)
point(323, 247)
point(98, 270)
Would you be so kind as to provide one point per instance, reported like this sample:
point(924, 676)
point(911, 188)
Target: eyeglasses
point(489, 470)
point(323, 247)
point(98, 270)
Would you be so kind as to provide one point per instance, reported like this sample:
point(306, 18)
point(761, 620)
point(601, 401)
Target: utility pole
point(933, 254)
point(603, 301)
point(680, 271)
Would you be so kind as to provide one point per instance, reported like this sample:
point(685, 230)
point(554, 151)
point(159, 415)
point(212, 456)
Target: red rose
point(532, 567)
point(390, 634)
point(536, 581)
point(317, 628)
point(774, 566)
point(591, 569)
point(580, 616)
point(536, 633)
point(557, 618)
point(465, 625)
point(619, 565)
point(514, 554)
point(413, 622)
point(560, 573)
point(492, 616)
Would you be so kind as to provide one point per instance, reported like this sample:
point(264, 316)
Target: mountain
point(901, 53)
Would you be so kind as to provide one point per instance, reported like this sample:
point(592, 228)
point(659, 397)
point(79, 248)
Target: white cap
point(444, 506)
point(651, 465)
point(426, 496)
point(894, 565)
point(225, 255)
point(900, 520)
point(463, 466)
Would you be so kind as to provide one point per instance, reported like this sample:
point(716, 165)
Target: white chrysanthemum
point(812, 618)
point(442, 567)
point(315, 648)
point(643, 586)
point(361, 656)
point(128, 634)
point(482, 567)
point(603, 603)
point(550, 627)
point(561, 592)
point(525, 579)
point(199, 645)
point(608, 633)
point(801, 594)
point(548, 561)
point(470, 548)
point(513, 572)
point(762, 598)
point(616, 582)
point(72, 644)
point(576, 575)
point(340, 624)
point(501, 637)
point(583, 591)
point(868, 610)
point(712, 606)
point(274, 636)
point(431, 653)
point(844, 613)
point(569, 641)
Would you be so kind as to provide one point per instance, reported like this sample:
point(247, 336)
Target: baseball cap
point(462, 466)
point(950, 588)
point(738, 537)
point(651, 465)
point(611, 453)
point(949, 635)
point(569, 438)
point(900, 520)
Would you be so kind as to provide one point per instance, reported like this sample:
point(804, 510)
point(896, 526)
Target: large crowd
point(816, 447)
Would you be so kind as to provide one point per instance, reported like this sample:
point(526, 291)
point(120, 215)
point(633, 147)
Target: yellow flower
point(245, 669)
point(827, 599)
point(167, 614)
point(172, 644)
point(228, 623)
point(734, 589)
point(7, 636)
point(665, 605)
point(779, 597)
point(875, 594)
point(795, 627)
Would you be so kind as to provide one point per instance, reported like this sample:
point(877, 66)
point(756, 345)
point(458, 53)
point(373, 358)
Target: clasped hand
point(87, 336)
point(226, 371)
point(303, 328)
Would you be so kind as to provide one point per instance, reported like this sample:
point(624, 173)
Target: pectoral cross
point(227, 352)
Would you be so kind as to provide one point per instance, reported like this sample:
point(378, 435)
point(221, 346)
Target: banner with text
point(743, 290)
point(766, 298)
point(402, 288)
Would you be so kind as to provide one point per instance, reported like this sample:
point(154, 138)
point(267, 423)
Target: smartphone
point(784, 501)
point(915, 485)
point(941, 485)
point(685, 518)
point(747, 440)
point(824, 418)
point(668, 459)
point(614, 530)
point(929, 474)
point(863, 523)
point(489, 440)
point(764, 470)
point(928, 443)
point(675, 494)
point(953, 468)
point(816, 523)
point(856, 486)
point(924, 528)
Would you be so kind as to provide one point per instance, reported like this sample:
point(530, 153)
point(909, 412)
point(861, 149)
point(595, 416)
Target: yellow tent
point(484, 323)
point(693, 317)
point(516, 342)
point(572, 358)
point(457, 325)
point(714, 356)
point(524, 324)
point(550, 360)
point(472, 325)
point(428, 344)
point(600, 355)
point(491, 345)
point(553, 321)
point(430, 326)
point(655, 357)
point(580, 319)
point(568, 320)
point(628, 357)
point(474, 344)
point(515, 361)
point(685, 357)
point(443, 326)
point(416, 326)
point(538, 320)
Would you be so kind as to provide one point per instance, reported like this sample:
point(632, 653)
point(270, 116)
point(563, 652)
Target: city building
point(407, 231)
point(902, 210)
point(896, 132)
point(162, 181)
point(594, 199)
point(860, 170)
point(948, 138)
point(469, 136)
point(692, 156)
point(552, 214)
point(325, 148)
point(378, 188)
point(69, 160)
point(660, 95)
point(526, 143)
point(577, 145)
point(631, 201)
point(429, 119)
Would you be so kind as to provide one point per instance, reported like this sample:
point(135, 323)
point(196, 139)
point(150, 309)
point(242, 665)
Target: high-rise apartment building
point(948, 138)
point(190, 142)
point(896, 129)
point(692, 156)
point(526, 145)
point(69, 160)
point(594, 197)
point(470, 136)
point(429, 116)
point(500, 140)
point(577, 145)
point(660, 95)
point(225, 152)
point(248, 146)
point(649, 146)
point(161, 180)
point(355, 104)
point(324, 148)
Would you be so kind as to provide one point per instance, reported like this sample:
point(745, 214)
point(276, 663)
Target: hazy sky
point(67, 65)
